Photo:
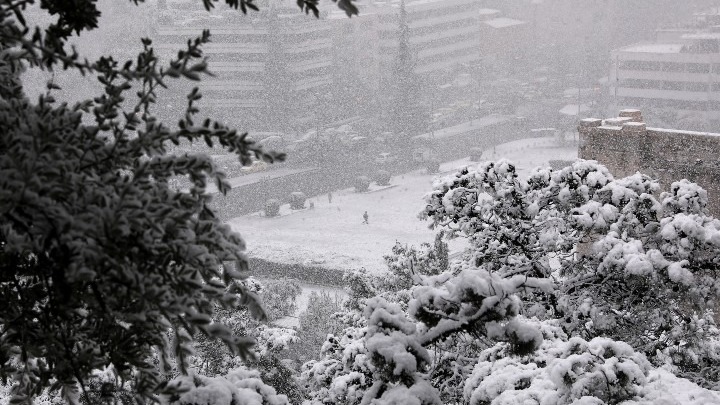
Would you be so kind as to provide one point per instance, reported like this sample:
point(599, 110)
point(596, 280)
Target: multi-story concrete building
point(442, 34)
point(270, 66)
point(678, 72)
point(681, 74)
point(281, 70)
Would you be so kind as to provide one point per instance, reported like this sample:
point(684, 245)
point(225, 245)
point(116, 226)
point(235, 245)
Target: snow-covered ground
point(332, 234)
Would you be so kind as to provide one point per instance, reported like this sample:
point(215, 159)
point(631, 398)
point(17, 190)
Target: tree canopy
point(575, 287)
point(105, 260)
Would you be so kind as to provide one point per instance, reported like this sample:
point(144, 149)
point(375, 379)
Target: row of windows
point(670, 85)
point(425, 14)
point(284, 58)
point(669, 66)
point(673, 104)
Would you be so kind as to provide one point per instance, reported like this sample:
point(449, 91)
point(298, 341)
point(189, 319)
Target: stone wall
point(625, 145)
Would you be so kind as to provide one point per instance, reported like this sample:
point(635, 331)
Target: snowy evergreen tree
point(406, 113)
point(628, 265)
point(640, 296)
point(104, 261)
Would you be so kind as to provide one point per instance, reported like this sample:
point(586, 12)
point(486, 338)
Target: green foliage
point(408, 115)
point(279, 298)
point(316, 323)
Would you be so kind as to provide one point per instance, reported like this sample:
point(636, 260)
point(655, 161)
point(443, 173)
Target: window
point(673, 67)
point(667, 85)
point(698, 68)
point(639, 65)
point(701, 87)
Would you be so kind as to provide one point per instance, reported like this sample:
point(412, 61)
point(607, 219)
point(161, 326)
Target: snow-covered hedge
point(361, 183)
point(240, 386)
point(297, 200)
point(272, 208)
point(382, 177)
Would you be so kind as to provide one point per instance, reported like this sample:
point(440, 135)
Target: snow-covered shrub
point(382, 177)
point(476, 154)
point(316, 322)
point(278, 297)
point(240, 386)
point(432, 165)
point(361, 183)
point(648, 271)
point(406, 263)
point(562, 371)
point(297, 200)
point(343, 373)
point(272, 208)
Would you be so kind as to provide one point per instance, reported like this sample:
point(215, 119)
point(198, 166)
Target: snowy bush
point(297, 200)
point(561, 371)
point(238, 386)
point(316, 322)
point(406, 263)
point(272, 208)
point(362, 184)
point(476, 154)
point(647, 274)
point(382, 177)
point(432, 166)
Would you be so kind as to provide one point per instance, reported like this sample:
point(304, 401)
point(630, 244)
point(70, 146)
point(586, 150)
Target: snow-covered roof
point(653, 48)
point(503, 22)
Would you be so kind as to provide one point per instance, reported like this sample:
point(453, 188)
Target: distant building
point(679, 72)
point(442, 33)
point(280, 70)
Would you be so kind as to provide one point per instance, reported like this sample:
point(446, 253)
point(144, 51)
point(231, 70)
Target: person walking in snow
point(329, 197)
point(365, 218)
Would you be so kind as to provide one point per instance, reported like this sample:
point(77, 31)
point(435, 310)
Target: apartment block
point(270, 66)
point(679, 71)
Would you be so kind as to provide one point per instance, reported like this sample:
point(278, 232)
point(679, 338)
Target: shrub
point(382, 178)
point(362, 183)
point(476, 154)
point(432, 166)
point(297, 200)
point(272, 208)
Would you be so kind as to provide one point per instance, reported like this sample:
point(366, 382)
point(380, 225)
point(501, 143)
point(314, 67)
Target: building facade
point(271, 67)
point(682, 75)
